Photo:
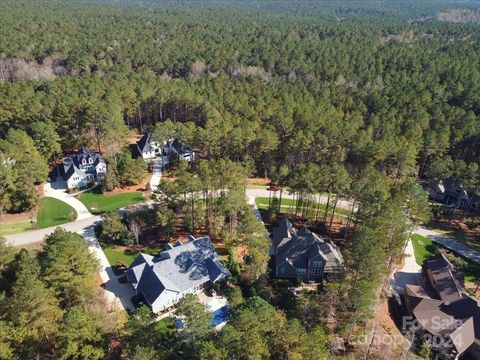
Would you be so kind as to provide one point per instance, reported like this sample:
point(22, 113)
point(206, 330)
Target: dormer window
point(84, 161)
point(90, 161)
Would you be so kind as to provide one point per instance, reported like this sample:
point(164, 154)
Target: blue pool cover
point(220, 316)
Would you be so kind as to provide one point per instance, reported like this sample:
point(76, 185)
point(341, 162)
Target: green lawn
point(14, 227)
point(115, 255)
point(423, 248)
point(97, 202)
point(262, 203)
point(53, 212)
point(454, 233)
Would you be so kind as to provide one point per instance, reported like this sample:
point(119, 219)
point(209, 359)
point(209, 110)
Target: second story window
point(301, 271)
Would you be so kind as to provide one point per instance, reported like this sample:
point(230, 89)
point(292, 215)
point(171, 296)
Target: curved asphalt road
point(35, 236)
point(80, 225)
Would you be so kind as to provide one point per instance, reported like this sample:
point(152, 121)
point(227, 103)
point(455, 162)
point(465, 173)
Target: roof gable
point(305, 246)
point(144, 142)
point(179, 268)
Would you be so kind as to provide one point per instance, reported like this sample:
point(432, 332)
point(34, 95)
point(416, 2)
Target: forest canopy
point(368, 85)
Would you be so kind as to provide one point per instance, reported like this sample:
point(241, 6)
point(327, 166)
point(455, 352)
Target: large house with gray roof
point(451, 193)
point(150, 149)
point(443, 309)
point(82, 168)
point(180, 269)
point(300, 253)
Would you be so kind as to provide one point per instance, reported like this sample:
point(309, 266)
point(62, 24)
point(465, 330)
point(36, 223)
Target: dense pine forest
point(379, 96)
point(366, 91)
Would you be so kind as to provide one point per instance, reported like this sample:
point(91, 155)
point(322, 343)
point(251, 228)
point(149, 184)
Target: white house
point(83, 167)
point(151, 149)
point(179, 270)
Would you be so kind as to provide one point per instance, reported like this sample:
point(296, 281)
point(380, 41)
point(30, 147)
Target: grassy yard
point(456, 234)
point(53, 212)
point(424, 248)
point(14, 227)
point(287, 204)
point(97, 202)
point(115, 255)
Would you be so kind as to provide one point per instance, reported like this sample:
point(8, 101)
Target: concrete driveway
point(58, 190)
point(450, 243)
point(118, 294)
point(157, 174)
point(410, 273)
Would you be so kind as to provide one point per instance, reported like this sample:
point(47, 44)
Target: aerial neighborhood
point(239, 180)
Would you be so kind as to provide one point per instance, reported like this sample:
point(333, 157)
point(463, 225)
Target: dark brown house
point(444, 309)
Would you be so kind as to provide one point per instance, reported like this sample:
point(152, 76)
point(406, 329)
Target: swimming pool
point(220, 316)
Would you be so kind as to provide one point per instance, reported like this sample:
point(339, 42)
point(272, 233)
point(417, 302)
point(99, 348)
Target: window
point(301, 271)
point(84, 161)
point(317, 263)
point(90, 161)
point(316, 272)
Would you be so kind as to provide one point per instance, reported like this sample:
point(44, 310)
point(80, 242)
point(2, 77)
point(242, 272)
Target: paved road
point(450, 243)
point(254, 193)
point(36, 236)
point(121, 293)
point(57, 190)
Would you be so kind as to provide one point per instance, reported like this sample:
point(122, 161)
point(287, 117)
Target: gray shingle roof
point(181, 268)
point(73, 165)
point(302, 245)
point(144, 143)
